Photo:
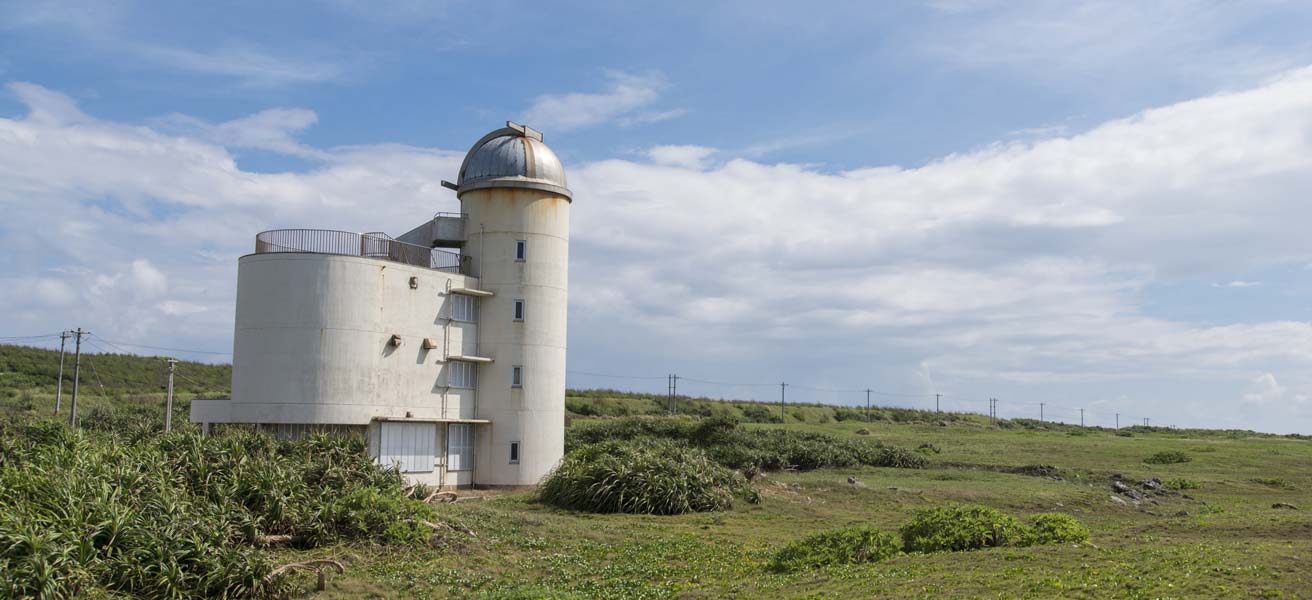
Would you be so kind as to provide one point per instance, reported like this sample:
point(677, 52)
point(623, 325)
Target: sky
point(1098, 205)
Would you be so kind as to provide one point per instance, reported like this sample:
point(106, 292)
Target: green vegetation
point(36, 370)
point(1219, 539)
point(1056, 528)
point(644, 476)
point(946, 528)
point(850, 546)
point(137, 512)
point(751, 450)
point(1180, 483)
point(1171, 457)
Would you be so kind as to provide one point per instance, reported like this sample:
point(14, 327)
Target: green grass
point(1217, 537)
point(1230, 543)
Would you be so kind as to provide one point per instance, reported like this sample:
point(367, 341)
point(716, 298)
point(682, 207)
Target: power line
point(611, 376)
point(165, 349)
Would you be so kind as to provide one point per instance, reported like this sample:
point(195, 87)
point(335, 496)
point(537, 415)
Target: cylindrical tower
point(512, 189)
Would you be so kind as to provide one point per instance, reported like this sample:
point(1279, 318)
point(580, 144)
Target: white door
point(410, 445)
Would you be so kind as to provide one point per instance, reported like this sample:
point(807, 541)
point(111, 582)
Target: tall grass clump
point(749, 449)
point(1169, 457)
point(853, 545)
point(93, 513)
point(657, 477)
point(947, 528)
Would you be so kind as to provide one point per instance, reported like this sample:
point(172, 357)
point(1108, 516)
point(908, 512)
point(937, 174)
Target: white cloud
point(273, 129)
point(1264, 389)
point(1237, 284)
point(685, 156)
point(622, 101)
point(1020, 265)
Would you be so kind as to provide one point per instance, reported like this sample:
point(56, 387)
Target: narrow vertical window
point(459, 446)
point(519, 310)
point(521, 249)
point(516, 376)
point(514, 453)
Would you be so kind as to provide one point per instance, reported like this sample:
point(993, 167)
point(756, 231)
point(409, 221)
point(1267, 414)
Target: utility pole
point(1145, 421)
point(867, 405)
point(782, 387)
point(1041, 405)
point(1118, 420)
point(59, 389)
point(1081, 417)
point(168, 404)
point(937, 397)
point(77, 374)
point(993, 411)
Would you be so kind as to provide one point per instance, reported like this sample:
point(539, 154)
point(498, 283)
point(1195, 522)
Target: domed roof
point(513, 156)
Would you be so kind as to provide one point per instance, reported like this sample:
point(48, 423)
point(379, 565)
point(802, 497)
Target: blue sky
point(1094, 205)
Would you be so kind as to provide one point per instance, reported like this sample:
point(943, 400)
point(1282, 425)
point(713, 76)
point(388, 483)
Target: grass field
point(1227, 541)
point(1220, 537)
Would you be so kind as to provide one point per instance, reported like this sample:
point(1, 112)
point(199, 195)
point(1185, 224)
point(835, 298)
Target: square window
point(464, 308)
point(516, 376)
point(514, 453)
point(521, 249)
point(519, 310)
point(461, 374)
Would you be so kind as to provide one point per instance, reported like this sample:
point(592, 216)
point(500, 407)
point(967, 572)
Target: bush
point(898, 457)
point(658, 477)
point(1170, 457)
point(1181, 484)
point(755, 413)
point(737, 448)
point(961, 528)
point(180, 515)
point(927, 448)
point(863, 431)
point(1054, 528)
point(1125, 433)
point(849, 546)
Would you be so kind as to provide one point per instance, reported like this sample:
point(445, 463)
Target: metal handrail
point(368, 245)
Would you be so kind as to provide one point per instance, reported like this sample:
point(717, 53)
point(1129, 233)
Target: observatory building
point(444, 347)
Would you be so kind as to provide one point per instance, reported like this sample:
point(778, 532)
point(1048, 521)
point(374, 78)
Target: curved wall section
point(312, 341)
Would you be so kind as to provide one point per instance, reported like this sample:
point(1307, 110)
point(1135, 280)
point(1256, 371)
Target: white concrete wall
point(311, 341)
point(533, 415)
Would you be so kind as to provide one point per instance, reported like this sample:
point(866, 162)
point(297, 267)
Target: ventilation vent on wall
point(430, 343)
point(395, 340)
point(414, 283)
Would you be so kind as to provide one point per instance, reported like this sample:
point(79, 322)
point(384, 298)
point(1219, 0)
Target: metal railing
point(368, 245)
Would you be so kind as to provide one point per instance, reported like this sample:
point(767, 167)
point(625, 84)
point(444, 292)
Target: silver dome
point(513, 156)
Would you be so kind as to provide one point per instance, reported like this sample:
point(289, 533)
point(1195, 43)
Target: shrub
point(927, 448)
point(737, 448)
point(1125, 433)
point(755, 413)
point(179, 515)
point(1169, 457)
point(895, 456)
point(659, 477)
point(1054, 528)
point(1181, 484)
point(961, 528)
point(863, 431)
point(849, 546)
point(1274, 482)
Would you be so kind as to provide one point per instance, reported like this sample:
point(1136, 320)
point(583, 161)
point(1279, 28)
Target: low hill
point(36, 370)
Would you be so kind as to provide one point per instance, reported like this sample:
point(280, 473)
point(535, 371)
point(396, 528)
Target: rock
point(1117, 477)
point(1118, 500)
point(1186, 496)
point(1285, 505)
point(851, 480)
point(1183, 513)
point(1060, 505)
point(1120, 487)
